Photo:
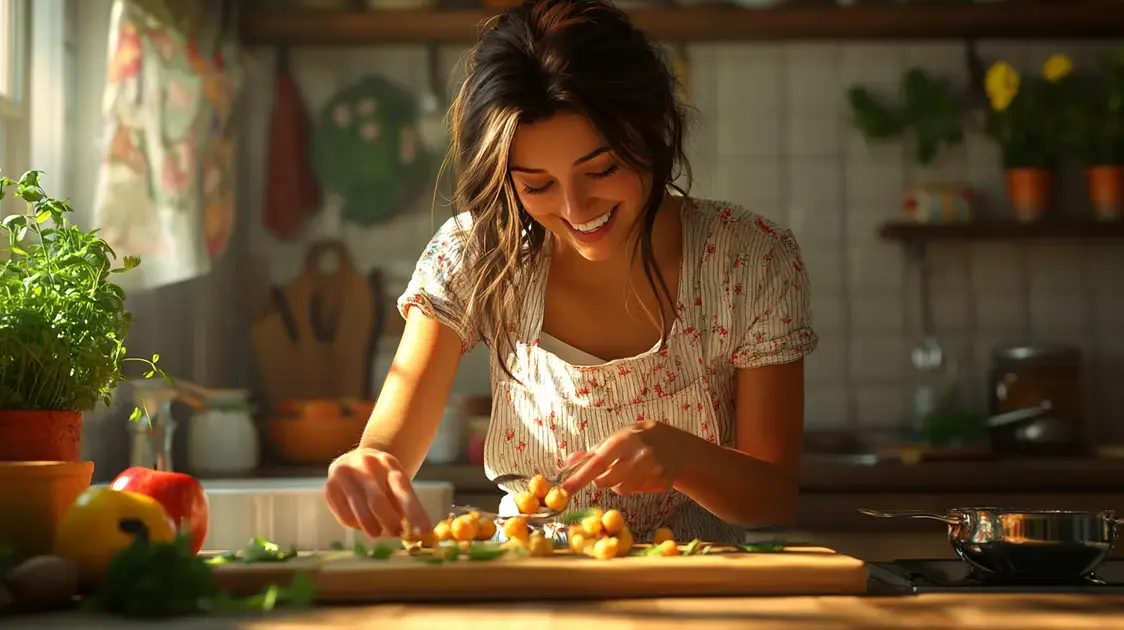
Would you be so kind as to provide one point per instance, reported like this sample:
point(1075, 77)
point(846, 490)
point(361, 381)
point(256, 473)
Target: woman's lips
point(596, 235)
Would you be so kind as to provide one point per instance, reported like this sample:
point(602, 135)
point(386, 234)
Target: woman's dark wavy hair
point(530, 63)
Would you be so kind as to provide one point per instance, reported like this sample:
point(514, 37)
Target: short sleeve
point(439, 285)
point(773, 318)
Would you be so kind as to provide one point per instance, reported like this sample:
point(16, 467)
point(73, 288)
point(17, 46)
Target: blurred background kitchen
point(274, 168)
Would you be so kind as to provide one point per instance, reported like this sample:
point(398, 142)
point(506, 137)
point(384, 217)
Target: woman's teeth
point(595, 224)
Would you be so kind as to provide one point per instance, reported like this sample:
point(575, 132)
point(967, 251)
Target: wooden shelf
point(1001, 231)
point(955, 20)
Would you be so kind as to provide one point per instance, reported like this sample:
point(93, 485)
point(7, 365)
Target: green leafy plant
point(930, 111)
point(1095, 116)
point(63, 321)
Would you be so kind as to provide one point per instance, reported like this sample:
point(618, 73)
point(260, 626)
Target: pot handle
point(944, 518)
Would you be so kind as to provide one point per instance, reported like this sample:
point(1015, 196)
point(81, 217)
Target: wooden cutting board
point(342, 577)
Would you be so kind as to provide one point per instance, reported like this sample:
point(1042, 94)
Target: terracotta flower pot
point(1106, 191)
point(46, 436)
point(33, 498)
point(1031, 191)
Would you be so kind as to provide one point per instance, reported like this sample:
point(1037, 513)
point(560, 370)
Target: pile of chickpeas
point(541, 492)
point(600, 534)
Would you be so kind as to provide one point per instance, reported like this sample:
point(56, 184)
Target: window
point(14, 23)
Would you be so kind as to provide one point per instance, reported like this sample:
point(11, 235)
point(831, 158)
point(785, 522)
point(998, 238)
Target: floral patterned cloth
point(742, 302)
point(165, 187)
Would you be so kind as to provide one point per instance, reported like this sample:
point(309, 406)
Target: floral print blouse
point(742, 303)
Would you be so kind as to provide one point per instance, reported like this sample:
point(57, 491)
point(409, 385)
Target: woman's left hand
point(637, 458)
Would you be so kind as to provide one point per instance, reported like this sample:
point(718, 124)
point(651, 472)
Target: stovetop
point(919, 576)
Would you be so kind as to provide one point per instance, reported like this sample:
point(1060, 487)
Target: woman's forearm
point(735, 487)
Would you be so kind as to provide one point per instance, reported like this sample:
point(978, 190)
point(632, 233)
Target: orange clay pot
point(33, 498)
point(1031, 191)
point(48, 436)
point(1106, 191)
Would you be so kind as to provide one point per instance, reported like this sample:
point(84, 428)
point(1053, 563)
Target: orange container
point(1031, 191)
point(33, 498)
point(314, 432)
point(48, 436)
point(1106, 191)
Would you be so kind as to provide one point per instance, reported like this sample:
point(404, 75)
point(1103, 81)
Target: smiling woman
point(660, 335)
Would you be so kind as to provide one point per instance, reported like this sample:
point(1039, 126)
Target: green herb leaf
point(576, 516)
point(691, 547)
point(769, 546)
point(336, 546)
point(485, 551)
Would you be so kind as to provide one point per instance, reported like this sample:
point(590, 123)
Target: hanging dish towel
point(149, 199)
point(222, 81)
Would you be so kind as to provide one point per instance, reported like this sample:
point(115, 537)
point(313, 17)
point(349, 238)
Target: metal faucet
point(152, 433)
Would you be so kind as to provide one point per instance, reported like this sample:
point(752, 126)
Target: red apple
point(181, 495)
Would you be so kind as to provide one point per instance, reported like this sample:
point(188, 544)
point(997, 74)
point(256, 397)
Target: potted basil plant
point(63, 326)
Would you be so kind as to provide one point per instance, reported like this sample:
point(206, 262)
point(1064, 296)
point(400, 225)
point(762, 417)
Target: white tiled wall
point(773, 135)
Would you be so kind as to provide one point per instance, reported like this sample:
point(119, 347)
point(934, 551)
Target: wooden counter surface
point(929, 612)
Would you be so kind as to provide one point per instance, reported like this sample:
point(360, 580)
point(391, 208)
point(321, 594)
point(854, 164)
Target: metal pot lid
point(1038, 353)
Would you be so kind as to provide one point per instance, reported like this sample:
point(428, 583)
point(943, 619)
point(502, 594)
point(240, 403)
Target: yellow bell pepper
point(101, 523)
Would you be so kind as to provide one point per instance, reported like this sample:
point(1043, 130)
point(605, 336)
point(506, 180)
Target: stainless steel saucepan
point(1025, 544)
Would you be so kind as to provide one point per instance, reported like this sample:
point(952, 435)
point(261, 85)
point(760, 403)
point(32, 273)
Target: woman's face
point(569, 181)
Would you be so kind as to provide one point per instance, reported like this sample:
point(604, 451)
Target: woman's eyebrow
point(585, 158)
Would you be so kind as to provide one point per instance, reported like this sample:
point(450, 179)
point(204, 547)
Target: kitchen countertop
point(962, 612)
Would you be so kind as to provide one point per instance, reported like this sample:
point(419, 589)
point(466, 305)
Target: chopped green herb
point(487, 551)
point(257, 551)
point(765, 546)
point(575, 516)
point(692, 546)
point(336, 546)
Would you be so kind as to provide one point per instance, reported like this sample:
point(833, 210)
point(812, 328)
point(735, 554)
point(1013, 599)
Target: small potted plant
point(63, 326)
point(1024, 119)
point(931, 113)
point(1097, 123)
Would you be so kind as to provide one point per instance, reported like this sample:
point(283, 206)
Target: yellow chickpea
point(592, 525)
point(516, 528)
point(669, 548)
point(538, 486)
point(612, 521)
point(486, 529)
point(557, 499)
point(527, 503)
point(624, 542)
point(662, 534)
point(516, 545)
point(443, 531)
point(606, 548)
point(579, 542)
point(464, 528)
point(540, 546)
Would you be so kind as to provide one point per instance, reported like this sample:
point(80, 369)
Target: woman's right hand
point(368, 490)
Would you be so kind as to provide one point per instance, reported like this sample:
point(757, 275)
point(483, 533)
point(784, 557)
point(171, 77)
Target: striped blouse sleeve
point(773, 319)
point(439, 285)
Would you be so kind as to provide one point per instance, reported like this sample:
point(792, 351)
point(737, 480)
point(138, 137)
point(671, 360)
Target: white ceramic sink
point(291, 512)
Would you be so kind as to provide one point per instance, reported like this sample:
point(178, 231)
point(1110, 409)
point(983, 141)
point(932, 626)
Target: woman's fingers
point(339, 505)
point(403, 492)
point(375, 511)
point(608, 452)
point(631, 471)
point(370, 492)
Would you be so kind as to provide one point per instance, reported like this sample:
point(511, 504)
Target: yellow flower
point(1057, 67)
point(1001, 84)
